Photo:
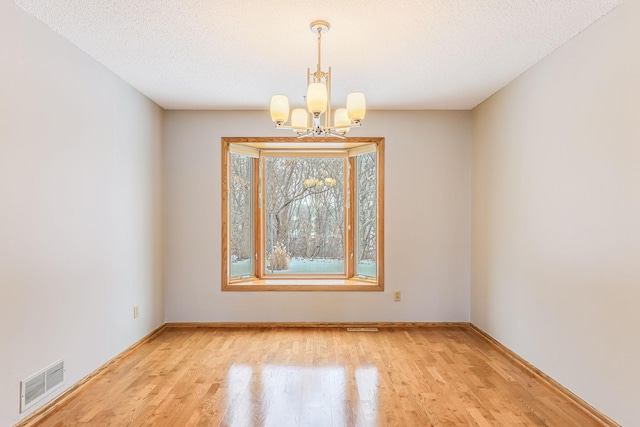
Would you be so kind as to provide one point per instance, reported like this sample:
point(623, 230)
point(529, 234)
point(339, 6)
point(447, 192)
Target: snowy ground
point(308, 266)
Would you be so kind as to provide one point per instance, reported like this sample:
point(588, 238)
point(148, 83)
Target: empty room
point(408, 213)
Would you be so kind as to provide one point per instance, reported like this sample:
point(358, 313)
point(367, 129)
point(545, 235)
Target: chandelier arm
point(352, 125)
point(336, 134)
point(296, 128)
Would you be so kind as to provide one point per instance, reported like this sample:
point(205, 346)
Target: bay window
point(302, 215)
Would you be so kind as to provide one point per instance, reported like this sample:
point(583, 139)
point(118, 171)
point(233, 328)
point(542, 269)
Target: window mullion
point(258, 218)
point(350, 216)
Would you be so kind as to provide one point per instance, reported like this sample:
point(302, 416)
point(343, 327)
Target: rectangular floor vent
point(362, 329)
point(41, 384)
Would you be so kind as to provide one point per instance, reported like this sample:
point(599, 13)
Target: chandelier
point(319, 103)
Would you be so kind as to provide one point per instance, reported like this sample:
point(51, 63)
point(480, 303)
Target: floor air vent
point(362, 329)
point(41, 384)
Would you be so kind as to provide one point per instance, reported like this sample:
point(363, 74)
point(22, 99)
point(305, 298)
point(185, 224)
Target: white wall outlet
point(396, 296)
point(136, 311)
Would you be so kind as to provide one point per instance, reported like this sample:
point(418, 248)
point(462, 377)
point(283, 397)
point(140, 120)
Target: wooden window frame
point(307, 282)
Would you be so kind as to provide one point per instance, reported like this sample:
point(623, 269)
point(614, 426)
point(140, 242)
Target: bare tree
point(241, 196)
point(304, 208)
point(367, 207)
point(304, 205)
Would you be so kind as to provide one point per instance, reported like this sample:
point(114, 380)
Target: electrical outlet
point(396, 296)
point(136, 311)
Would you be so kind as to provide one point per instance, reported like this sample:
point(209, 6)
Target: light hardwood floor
point(317, 377)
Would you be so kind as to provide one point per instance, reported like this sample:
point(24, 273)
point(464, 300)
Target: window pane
point(241, 215)
point(366, 222)
point(304, 215)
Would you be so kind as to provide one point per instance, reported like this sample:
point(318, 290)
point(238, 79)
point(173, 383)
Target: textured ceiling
point(403, 54)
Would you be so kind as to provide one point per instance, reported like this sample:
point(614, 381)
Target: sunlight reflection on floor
point(281, 395)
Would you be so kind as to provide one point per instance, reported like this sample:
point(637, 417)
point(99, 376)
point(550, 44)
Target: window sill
point(304, 285)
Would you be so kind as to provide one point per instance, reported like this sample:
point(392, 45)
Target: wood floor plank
point(317, 377)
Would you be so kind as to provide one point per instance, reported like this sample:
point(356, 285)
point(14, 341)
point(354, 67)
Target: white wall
point(427, 223)
point(80, 209)
point(556, 215)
